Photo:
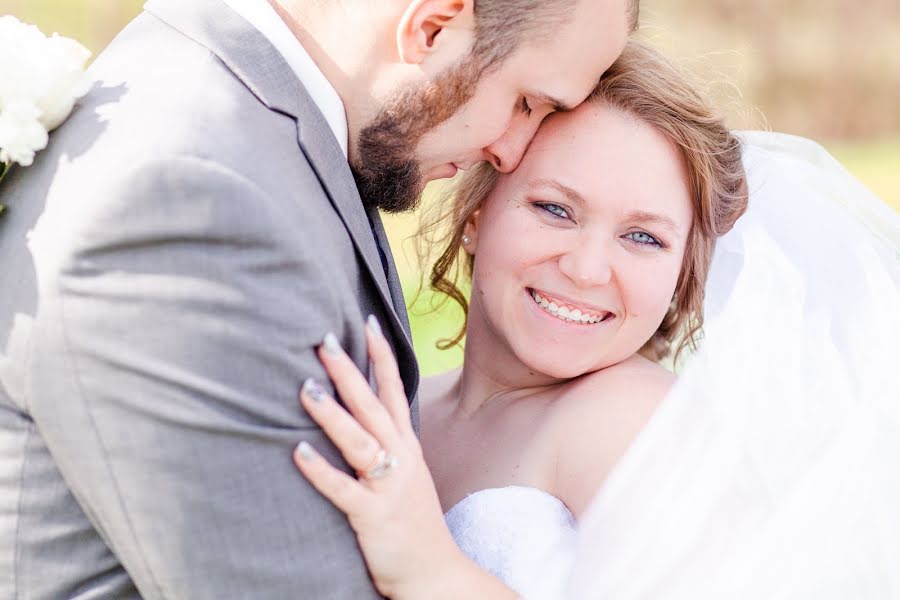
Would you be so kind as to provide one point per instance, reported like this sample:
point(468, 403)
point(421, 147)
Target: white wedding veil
point(772, 470)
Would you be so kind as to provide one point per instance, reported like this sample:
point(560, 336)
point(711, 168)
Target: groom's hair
point(501, 26)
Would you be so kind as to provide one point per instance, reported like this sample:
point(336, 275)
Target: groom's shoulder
point(167, 134)
point(166, 92)
point(158, 92)
point(163, 106)
point(154, 61)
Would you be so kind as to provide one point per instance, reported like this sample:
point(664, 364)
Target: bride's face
point(578, 252)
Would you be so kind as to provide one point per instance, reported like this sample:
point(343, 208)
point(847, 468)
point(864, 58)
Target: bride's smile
point(569, 311)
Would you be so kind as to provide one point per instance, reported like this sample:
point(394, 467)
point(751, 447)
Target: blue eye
point(643, 238)
point(554, 209)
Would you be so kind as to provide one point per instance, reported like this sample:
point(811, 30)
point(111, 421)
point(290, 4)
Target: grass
point(433, 318)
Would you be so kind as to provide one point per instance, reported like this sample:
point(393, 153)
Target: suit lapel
point(260, 67)
point(411, 382)
point(393, 277)
point(250, 56)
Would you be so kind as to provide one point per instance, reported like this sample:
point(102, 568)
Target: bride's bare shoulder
point(634, 380)
point(649, 375)
point(597, 419)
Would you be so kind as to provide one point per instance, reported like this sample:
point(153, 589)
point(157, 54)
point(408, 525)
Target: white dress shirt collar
point(263, 17)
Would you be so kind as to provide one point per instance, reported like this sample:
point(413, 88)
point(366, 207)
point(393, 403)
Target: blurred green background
point(826, 69)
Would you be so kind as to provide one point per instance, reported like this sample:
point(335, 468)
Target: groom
point(175, 256)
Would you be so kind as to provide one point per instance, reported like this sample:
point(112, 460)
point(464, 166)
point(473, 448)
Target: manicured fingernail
point(374, 326)
point(305, 451)
point(331, 345)
point(313, 390)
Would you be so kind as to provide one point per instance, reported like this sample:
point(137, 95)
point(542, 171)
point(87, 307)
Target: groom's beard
point(386, 172)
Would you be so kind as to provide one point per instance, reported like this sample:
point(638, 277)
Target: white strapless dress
point(510, 532)
point(772, 469)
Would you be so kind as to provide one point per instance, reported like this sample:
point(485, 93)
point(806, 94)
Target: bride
point(562, 460)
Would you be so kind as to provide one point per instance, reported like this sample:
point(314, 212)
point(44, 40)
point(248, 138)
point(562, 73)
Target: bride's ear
point(470, 232)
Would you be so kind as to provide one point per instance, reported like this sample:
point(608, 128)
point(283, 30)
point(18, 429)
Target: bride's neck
point(492, 373)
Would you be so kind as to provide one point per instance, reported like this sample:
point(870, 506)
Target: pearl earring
point(466, 240)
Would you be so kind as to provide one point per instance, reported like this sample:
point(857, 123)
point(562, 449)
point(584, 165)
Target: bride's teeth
point(564, 313)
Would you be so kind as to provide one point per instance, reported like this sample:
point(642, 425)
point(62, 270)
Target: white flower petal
point(41, 78)
point(21, 133)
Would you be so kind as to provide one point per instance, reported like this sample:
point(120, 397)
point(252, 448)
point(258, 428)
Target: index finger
point(391, 391)
point(353, 389)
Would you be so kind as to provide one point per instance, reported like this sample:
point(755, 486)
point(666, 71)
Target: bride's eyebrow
point(641, 216)
point(569, 193)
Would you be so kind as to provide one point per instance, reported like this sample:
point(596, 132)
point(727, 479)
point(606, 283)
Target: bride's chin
point(562, 369)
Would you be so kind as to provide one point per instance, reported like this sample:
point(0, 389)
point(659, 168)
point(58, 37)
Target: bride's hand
point(396, 513)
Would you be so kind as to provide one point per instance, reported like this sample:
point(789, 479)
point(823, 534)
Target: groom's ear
point(424, 28)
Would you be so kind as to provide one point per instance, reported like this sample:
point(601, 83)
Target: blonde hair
point(644, 84)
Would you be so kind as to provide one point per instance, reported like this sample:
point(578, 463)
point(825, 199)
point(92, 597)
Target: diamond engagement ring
point(383, 464)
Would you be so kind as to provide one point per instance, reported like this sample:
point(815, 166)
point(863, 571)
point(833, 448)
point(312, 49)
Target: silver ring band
point(383, 464)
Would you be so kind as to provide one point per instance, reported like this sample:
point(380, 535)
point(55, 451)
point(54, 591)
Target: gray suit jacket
point(169, 263)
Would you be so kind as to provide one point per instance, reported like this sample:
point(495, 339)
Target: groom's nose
point(506, 152)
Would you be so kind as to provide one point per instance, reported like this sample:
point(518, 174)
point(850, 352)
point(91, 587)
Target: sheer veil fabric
point(772, 470)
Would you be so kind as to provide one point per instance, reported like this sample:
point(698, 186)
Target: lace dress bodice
point(524, 536)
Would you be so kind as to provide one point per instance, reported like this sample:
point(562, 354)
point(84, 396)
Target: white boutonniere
point(41, 78)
